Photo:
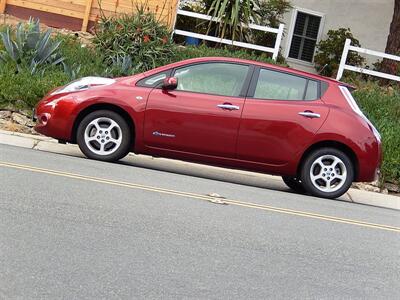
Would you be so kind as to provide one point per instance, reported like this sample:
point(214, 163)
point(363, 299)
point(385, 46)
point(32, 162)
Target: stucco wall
point(369, 21)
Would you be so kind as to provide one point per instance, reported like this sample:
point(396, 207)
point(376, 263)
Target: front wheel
point(104, 135)
point(327, 173)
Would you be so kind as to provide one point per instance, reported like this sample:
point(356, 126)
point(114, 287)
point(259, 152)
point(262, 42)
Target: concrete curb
point(42, 143)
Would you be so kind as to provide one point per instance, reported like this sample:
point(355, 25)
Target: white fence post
point(343, 66)
point(278, 41)
point(343, 59)
point(277, 31)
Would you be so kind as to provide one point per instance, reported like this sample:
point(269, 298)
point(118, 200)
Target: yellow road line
point(200, 197)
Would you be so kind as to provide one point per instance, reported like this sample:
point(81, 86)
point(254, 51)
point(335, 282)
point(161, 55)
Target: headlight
point(83, 84)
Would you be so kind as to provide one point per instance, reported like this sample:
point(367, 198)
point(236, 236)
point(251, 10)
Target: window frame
point(256, 76)
point(246, 82)
point(140, 82)
point(296, 10)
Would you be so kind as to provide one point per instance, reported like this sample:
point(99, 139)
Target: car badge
point(156, 133)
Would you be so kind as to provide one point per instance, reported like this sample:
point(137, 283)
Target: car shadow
point(234, 176)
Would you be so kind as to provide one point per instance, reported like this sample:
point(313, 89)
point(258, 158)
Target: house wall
point(71, 14)
point(368, 20)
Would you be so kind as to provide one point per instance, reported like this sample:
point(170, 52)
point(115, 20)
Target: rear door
point(202, 115)
point(280, 118)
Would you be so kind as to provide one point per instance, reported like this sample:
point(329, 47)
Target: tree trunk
point(393, 43)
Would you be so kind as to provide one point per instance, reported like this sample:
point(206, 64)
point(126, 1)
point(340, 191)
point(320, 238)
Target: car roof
point(245, 61)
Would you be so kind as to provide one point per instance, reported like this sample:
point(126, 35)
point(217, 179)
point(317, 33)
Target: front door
point(202, 115)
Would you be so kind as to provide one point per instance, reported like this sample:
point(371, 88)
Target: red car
point(223, 111)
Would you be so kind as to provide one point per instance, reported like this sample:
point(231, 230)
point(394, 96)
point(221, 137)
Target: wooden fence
point(82, 14)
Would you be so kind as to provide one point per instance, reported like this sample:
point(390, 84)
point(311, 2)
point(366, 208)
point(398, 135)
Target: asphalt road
point(79, 229)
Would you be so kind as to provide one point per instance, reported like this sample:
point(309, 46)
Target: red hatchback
point(222, 111)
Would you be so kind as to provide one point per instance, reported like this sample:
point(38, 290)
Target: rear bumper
point(370, 162)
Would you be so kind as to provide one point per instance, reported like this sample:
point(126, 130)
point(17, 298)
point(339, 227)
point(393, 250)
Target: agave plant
point(29, 48)
point(72, 71)
point(121, 65)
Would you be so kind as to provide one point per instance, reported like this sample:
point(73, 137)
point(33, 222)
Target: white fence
point(277, 31)
point(343, 66)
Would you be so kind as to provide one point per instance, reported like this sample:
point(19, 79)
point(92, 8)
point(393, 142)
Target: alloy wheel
point(103, 136)
point(328, 173)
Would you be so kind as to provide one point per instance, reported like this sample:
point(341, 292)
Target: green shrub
point(204, 51)
point(22, 90)
point(271, 14)
point(382, 107)
point(89, 61)
point(138, 35)
point(329, 52)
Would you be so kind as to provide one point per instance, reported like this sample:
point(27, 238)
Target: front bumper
point(54, 119)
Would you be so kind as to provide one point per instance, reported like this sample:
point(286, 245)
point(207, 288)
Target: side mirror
point(170, 83)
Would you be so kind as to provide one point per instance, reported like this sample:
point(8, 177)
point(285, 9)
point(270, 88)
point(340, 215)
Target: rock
point(375, 183)
point(391, 187)
point(11, 126)
point(366, 187)
point(26, 113)
point(385, 191)
point(20, 119)
point(5, 114)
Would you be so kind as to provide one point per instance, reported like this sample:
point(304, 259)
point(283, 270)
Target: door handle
point(309, 114)
point(228, 106)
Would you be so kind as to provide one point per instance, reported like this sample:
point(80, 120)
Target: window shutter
point(305, 36)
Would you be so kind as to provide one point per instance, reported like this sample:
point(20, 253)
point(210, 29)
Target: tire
point(293, 183)
point(327, 173)
point(104, 135)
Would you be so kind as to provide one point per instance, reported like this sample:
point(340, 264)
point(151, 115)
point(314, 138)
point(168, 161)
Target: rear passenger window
point(275, 85)
point(312, 90)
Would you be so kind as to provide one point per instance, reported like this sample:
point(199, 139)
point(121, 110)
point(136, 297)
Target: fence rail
point(277, 31)
point(343, 66)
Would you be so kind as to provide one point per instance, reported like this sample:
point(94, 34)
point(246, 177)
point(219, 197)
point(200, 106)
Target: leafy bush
point(29, 49)
point(138, 35)
point(22, 90)
point(329, 52)
point(80, 59)
point(382, 106)
point(271, 14)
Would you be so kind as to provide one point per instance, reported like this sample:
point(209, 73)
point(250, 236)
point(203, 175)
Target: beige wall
point(368, 20)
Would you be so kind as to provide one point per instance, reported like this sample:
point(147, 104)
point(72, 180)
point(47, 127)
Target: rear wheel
point(327, 173)
point(104, 135)
point(294, 183)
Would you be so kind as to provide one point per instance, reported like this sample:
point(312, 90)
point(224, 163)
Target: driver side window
point(225, 79)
